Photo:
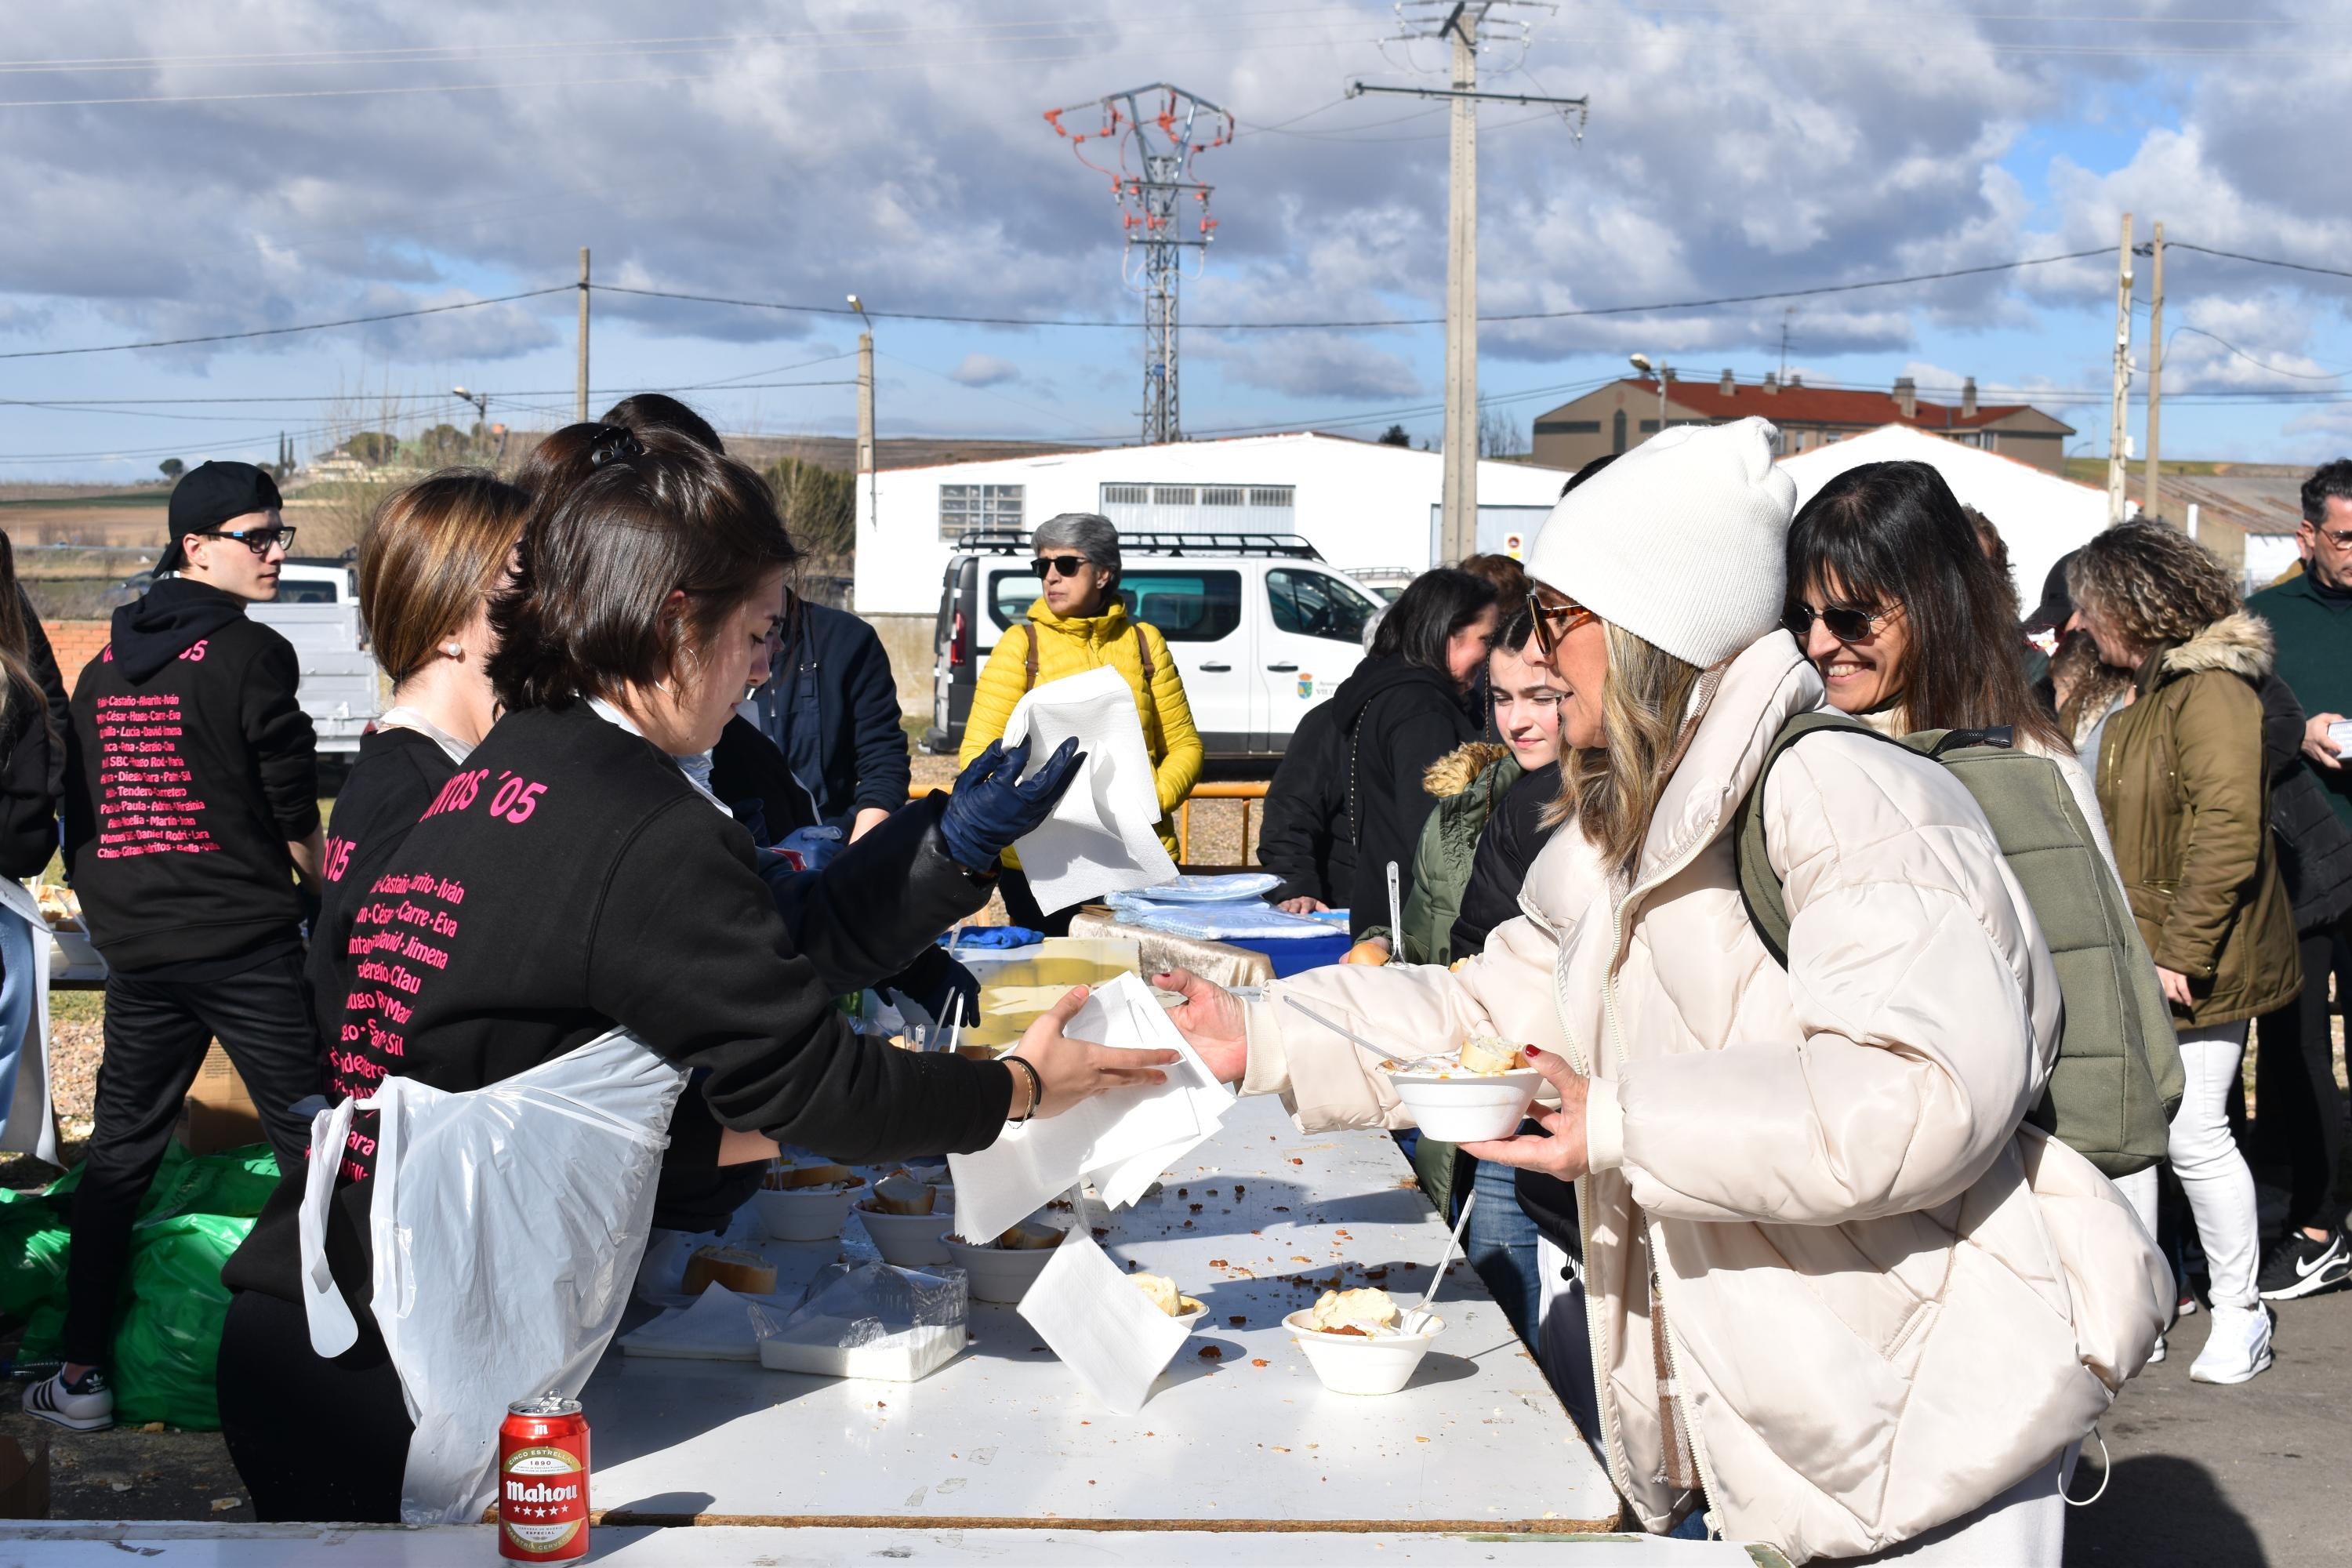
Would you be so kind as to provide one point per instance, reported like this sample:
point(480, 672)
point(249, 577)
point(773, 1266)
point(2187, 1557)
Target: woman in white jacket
point(1840, 1297)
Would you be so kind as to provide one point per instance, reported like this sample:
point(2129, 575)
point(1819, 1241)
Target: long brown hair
point(1647, 703)
point(16, 681)
point(2152, 585)
point(1884, 534)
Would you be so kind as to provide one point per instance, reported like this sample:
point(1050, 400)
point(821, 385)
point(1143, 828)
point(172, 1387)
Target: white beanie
point(1682, 540)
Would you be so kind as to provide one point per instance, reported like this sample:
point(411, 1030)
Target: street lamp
point(480, 400)
point(1642, 363)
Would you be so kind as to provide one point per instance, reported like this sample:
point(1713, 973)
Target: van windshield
point(1187, 605)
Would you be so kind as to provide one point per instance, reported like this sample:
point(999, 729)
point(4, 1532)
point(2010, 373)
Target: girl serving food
point(1840, 1297)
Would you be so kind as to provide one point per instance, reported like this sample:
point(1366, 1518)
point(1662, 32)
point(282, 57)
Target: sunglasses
point(1555, 622)
point(260, 540)
point(1842, 622)
point(1067, 565)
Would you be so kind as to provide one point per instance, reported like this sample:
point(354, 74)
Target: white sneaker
point(85, 1406)
point(2238, 1349)
point(2157, 1353)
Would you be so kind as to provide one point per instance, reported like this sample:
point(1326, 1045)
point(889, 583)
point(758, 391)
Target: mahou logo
point(542, 1502)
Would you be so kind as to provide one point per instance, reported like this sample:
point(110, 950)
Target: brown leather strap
point(1029, 662)
point(1143, 652)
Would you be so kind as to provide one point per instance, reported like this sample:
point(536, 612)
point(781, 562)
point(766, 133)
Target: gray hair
point(1088, 534)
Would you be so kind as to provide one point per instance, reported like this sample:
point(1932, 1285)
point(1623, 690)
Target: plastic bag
point(867, 1320)
point(32, 1261)
point(167, 1346)
point(235, 1182)
point(507, 1223)
point(165, 1183)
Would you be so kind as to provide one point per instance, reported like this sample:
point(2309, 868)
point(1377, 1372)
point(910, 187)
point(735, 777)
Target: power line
point(282, 331)
point(2257, 261)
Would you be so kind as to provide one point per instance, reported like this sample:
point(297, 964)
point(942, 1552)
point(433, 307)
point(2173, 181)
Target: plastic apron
point(28, 1122)
point(507, 1222)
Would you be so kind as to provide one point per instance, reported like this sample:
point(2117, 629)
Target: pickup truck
point(1262, 629)
point(317, 609)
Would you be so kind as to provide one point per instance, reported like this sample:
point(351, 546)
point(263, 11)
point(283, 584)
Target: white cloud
point(984, 370)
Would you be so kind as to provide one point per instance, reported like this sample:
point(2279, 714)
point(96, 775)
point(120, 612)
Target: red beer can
point(543, 1480)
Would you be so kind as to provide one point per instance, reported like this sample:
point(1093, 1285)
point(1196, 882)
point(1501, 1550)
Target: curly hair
point(2152, 583)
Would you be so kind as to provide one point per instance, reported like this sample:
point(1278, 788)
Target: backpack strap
point(1143, 654)
point(1760, 890)
point(1029, 660)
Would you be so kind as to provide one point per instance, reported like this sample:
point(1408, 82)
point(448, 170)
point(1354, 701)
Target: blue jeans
point(1500, 1244)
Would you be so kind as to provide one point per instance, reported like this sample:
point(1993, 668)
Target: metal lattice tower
point(1159, 129)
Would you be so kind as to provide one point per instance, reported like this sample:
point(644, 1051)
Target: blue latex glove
point(993, 805)
point(814, 845)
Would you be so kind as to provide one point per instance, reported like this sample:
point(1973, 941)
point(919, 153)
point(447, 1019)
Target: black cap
point(213, 494)
point(2057, 607)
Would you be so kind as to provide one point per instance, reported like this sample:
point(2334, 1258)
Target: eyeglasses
point(1555, 622)
point(1844, 622)
point(260, 540)
point(2339, 537)
point(1067, 565)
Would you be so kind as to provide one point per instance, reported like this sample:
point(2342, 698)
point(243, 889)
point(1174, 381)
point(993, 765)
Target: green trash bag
point(32, 1260)
point(60, 1191)
point(167, 1346)
point(235, 1183)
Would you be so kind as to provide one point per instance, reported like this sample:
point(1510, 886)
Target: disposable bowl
point(1191, 1317)
point(1356, 1364)
point(994, 1273)
point(908, 1240)
point(803, 1214)
point(1468, 1108)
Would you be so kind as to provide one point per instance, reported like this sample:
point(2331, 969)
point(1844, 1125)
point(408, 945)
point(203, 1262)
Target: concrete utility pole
point(2116, 436)
point(1461, 22)
point(2152, 482)
point(866, 463)
point(580, 400)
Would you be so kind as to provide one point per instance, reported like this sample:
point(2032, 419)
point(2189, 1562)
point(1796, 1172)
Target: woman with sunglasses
point(1080, 622)
point(1840, 1298)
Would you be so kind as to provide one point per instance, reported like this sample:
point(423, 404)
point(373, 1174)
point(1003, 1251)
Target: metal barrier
point(1247, 791)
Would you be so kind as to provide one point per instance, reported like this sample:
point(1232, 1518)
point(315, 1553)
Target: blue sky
point(280, 161)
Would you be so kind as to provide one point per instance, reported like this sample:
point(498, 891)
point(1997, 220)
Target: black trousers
point(312, 1439)
point(156, 1032)
point(2301, 1120)
point(1021, 905)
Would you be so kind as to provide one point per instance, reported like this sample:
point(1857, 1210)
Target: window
point(1617, 431)
point(1312, 604)
point(1173, 495)
point(1200, 508)
point(1186, 605)
point(1222, 495)
point(966, 509)
point(305, 591)
point(1568, 426)
point(1126, 495)
point(1280, 497)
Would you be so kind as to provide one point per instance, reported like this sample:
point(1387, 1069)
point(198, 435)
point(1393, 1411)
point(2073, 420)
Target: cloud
point(984, 370)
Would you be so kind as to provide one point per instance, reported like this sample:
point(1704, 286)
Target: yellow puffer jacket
point(1072, 644)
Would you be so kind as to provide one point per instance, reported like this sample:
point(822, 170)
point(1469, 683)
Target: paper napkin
point(1100, 1325)
point(1103, 836)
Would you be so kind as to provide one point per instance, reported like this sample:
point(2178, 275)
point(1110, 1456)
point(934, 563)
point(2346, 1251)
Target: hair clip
point(613, 443)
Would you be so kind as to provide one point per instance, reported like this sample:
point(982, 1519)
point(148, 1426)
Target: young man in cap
point(191, 805)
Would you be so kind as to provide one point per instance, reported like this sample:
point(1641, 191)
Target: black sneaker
point(2299, 1266)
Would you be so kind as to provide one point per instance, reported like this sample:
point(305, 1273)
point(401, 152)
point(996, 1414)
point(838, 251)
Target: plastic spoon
point(1421, 1317)
point(1396, 916)
point(1350, 1035)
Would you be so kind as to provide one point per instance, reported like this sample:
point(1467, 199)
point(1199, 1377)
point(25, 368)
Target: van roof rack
point(1291, 545)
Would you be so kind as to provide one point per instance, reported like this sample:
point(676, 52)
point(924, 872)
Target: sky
point(207, 169)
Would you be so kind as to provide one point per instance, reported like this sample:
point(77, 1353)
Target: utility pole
point(1463, 23)
point(1164, 140)
point(2152, 482)
point(2116, 436)
point(866, 463)
point(580, 400)
point(1788, 314)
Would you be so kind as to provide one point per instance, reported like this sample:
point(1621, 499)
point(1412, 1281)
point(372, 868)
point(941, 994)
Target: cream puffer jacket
point(1885, 1299)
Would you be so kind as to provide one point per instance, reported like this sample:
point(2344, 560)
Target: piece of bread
point(788, 1178)
point(901, 1193)
point(1029, 1236)
point(1161, 1291)
point(1340, 1311)
point(1488, 1057)
point(743, 1271)
point(1365, 953)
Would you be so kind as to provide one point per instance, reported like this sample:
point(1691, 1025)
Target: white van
point(317, 609)
point(1261, 629)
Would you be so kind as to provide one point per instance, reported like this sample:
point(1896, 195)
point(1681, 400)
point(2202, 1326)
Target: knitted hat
point(1681, 541)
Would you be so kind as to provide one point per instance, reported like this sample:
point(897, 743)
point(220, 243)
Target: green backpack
point(2117, 1078)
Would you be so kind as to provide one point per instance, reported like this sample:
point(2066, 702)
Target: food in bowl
point(1368, 1312)
point(900, 1193)
point(1487, 1056)
point(784, 1178)
point(1162, 1293)
point(1029, 1235)
point(1002, 1268)
point(739, 1269)
point(1451, 1101)
point(905, 1240)
point(805, 1203)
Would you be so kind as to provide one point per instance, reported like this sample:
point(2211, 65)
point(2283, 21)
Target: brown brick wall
point(75, 643)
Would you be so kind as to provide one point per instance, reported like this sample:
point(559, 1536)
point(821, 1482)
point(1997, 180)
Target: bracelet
point(1036, 1088)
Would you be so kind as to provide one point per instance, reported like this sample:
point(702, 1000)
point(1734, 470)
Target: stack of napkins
point(1121, 1140)
point(1103, 836)
point(717, 1326)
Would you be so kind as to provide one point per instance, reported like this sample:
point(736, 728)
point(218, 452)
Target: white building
point(1362, 505)
point(2041, 516)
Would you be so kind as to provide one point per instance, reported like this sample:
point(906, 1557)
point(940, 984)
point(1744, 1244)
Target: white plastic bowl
point(908, 1240)
point(1468, 1108)
point(1355, 1363)
point(995, 1273)
point(803, 1214)
point(1192, 1318)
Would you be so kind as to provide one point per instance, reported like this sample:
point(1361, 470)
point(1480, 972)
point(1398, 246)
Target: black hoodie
point(189, 768)
point(1394, 720)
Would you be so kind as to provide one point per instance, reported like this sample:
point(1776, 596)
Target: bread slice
point(741, 1271)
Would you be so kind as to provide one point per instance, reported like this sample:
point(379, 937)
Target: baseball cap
point(212, 495)
point(2057, 607)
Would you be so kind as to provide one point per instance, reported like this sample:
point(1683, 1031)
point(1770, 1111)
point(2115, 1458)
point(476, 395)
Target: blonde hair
point(1612, 788)
point(2153, 585)
point(432, 554)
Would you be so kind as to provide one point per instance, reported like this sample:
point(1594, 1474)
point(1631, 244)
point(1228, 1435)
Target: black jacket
point(2315, 849)
point(44, 662)
point(189, 768)
point(1394, 720)
point(1507, 845)
point(28, 812)
point(1303, 837)
point(831, 708)
point(568, 879)
point(398, 773)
